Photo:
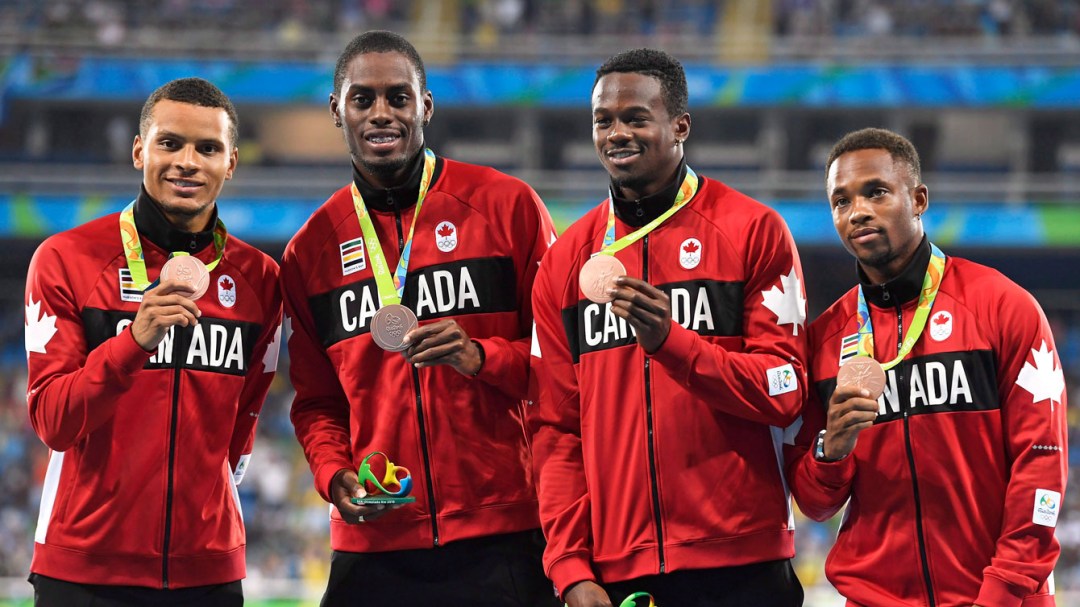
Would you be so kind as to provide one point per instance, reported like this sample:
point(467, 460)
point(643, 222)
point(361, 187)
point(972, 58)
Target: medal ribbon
point(930, 285)
point(687, 190)
point(390, 287)
point(133, 250)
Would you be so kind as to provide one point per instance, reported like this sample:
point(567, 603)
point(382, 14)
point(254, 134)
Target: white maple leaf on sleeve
point(787, 301)
point(40, 327)
point(270, 358)
point(1044, 380)
point(287, 328)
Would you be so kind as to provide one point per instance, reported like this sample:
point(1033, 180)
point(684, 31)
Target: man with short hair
point(664, 393)
point(147, 397)
point(944, 428)
point(408, 295)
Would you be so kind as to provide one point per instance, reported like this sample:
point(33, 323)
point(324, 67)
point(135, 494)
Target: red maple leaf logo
point(690, 247)
point(445, 230)
point(941, 319)
point(226, 284)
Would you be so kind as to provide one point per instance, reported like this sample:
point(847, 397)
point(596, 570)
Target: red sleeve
point(555, 423)
point(1032, 388)
point(506, 362)
point(820, 488)
point(70, 392)
point(765, 382)
point(259, 376)
point(320, 408)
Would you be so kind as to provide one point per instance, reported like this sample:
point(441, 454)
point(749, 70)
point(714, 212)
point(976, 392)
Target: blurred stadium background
point(989, 91)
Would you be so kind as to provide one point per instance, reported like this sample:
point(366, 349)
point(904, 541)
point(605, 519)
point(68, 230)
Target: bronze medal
point(862, 372)
point(598, 276)
point(190, 270)
point(389, 326)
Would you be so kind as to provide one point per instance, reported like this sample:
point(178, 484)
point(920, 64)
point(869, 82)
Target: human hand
point(346, 486)
point(443, 343)
point(851, 410)
point(646, 308)
point(162, 308)
point(587, 594)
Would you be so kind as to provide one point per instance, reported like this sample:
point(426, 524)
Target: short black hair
point(896, 145)
point(195, 91)
point(657, 64)
point(379, 41)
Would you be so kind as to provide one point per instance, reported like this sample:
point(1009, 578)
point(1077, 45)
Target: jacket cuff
point(833, 474)
point(126, 354)
point(493, 365)
point(569, 570)
point(676, 349)
point(325, 476)
point(996, 592)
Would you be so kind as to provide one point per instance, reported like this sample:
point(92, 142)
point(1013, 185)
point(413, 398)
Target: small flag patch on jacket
point(129, 291)
point(352, 256)
point(849, 346)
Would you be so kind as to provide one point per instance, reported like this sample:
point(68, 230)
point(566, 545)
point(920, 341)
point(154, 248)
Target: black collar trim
point(155, 227)
point(905, 287)
point(399, 197)
point(637, 213)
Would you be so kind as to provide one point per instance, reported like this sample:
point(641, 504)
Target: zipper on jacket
point(181, 338)
point(420, 409)
point(925, 563)
point(649, 420)
point(427, 457)
point(397, 221)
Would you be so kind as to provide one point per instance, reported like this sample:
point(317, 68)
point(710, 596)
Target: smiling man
point(147, 398)
point(954, 475)
point(408, 294)
point(664, 394)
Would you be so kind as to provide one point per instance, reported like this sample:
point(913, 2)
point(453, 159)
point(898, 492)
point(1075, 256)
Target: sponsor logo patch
point(781, 380)
point(941, 325)
point(446, 236)
point(352, 256)
point(226, 291)
point(690, 253)
point(1047, 506)
point(129, 291)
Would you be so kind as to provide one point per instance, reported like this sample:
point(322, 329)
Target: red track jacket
point(140, 486)
point(654, 464)
point(474, 256)
point(955, 491)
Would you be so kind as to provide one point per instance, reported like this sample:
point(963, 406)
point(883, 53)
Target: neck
point(639, 192)
point(880, 275)
point(187, 223)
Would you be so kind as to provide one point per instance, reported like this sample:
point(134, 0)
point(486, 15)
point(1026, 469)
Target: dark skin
point(639, 142)
point(877, 206)
point(381, 110)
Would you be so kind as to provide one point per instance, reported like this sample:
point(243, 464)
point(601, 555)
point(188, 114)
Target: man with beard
point(408, 296)
point(944, 428)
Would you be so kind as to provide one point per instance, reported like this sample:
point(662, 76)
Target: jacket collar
point(398, 197)
point(904, 287)
point(155, 227)
point(637, 213)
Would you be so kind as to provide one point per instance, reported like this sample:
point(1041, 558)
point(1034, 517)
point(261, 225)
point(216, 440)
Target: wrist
point(820, 453)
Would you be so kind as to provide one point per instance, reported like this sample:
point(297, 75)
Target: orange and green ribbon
point(935, 270)
point(391, 288)
point(133, 250)
point(687, 190)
